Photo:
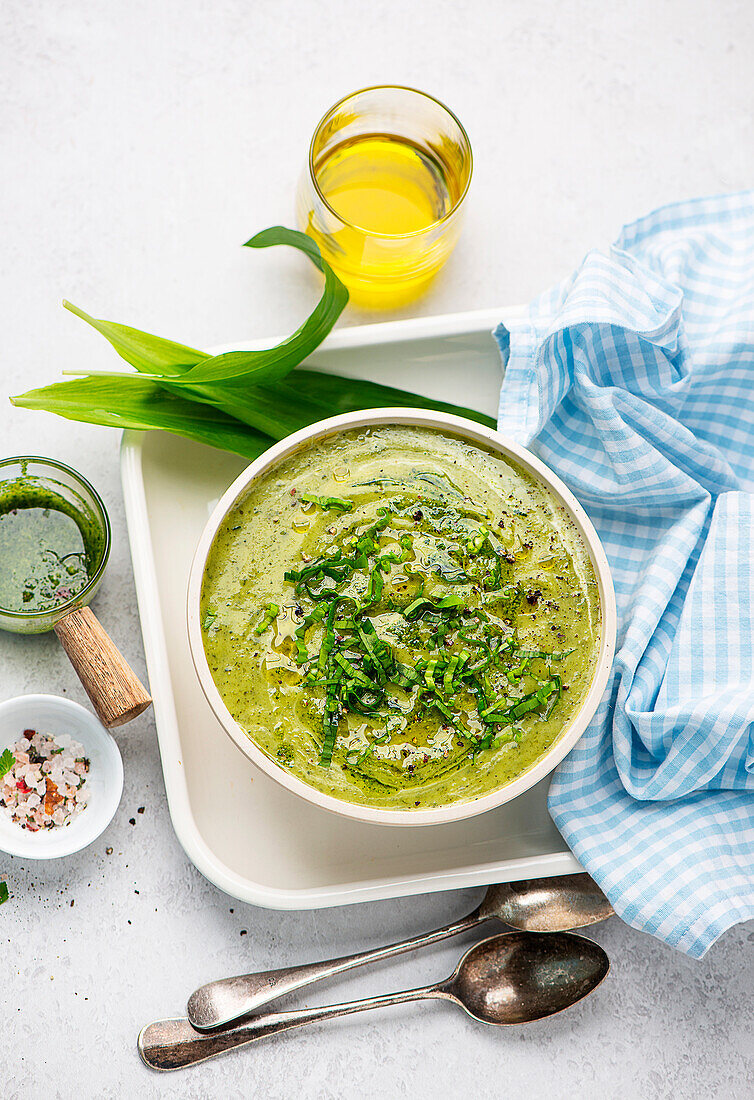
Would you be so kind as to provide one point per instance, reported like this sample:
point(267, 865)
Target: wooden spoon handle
point(116, 692)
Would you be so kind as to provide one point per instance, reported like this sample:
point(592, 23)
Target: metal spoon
point(511, 978)
point(556, 904)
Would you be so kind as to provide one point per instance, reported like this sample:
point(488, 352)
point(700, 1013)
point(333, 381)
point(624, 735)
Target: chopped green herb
point(328, 503)
point(7, 760)
point(541, 655)
point(424, 604)
point(3, 892)
point(477, 542)
point(270, 615)
point(354, 667)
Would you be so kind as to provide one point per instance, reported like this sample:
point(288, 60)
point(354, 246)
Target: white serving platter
point(244, 832)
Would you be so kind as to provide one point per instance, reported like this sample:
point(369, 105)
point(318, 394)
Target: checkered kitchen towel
point(634, 380)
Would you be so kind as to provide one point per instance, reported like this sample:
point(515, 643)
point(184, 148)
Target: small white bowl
point(52, 715)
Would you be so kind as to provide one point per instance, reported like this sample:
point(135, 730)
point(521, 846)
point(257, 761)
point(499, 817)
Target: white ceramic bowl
point(474, 433)
point(53, 715)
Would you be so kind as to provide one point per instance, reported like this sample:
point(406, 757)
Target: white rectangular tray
point(245, 833)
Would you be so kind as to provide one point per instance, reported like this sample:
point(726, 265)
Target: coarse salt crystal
point(48, 773)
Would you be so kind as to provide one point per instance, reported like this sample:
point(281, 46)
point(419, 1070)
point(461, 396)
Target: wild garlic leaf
point(257, 367)
point(239, 401)
point(134, 402)
point(280, 234)
point(149, 354)
point(305, 396)
point(262, 407)
point(158, 358)
point(339, 394)
point(234, 418)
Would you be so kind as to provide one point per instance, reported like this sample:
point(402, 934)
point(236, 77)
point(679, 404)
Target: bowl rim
point(472, 432)
point(86, 829)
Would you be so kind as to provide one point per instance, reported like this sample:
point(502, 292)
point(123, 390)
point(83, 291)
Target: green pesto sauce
point(49, 549)
point(526, 586)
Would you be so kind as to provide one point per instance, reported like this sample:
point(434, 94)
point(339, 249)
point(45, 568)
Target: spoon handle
point(228, 999)
point(173, 1044)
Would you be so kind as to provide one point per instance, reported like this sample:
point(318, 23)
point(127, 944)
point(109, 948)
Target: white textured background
point(141, 143)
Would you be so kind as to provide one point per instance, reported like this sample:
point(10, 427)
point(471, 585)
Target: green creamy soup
point(400, 618)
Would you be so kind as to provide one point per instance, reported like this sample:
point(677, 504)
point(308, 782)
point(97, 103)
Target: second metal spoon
point(557, 904)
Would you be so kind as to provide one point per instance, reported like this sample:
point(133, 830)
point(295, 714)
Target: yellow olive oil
point(386, 224)
point(382, 184)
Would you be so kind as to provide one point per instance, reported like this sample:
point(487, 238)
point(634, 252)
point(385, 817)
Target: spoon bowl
point(517, 977)
point(557, 904)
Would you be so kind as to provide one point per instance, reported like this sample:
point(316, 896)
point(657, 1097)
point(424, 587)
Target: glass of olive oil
point(389, 168)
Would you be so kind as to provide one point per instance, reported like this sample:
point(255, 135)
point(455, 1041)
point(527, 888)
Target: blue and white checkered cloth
point(634, 380)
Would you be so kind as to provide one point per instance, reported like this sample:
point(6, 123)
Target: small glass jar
point(27, 474)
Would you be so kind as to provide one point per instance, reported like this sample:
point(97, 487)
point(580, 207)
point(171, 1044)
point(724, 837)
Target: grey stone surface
point(140, 144)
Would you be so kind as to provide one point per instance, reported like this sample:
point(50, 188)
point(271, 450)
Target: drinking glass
point(382, 194)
